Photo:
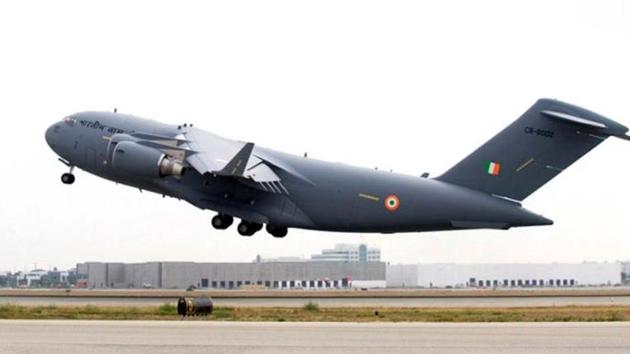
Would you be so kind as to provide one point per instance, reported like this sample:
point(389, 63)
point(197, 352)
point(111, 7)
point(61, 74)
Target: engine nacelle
point(115, 139)
point(139, 160)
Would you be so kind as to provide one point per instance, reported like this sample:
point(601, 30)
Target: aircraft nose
point(52, 135)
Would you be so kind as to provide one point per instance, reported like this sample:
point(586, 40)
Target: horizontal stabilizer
point(574, 119)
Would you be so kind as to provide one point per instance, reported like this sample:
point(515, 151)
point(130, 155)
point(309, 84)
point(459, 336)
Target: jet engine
point(139, 160)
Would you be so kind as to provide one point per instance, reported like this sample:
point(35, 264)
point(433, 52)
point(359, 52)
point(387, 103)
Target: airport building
point(344, 252)
point(278, 275)
point(504, 275)
point(347, 266)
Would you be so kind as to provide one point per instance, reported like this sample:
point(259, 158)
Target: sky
point(412, 86)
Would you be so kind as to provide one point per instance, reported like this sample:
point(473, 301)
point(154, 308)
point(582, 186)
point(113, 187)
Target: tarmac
point(52, 337)
point(439, 302)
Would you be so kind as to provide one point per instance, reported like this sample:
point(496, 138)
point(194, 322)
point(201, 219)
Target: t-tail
point(539, 145)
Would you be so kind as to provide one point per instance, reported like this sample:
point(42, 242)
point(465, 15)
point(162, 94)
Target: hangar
point(504, 275)
point(280, 275)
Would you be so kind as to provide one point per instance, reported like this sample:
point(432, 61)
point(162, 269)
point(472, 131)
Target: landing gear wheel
point(67, 178)
point(246, 228)
point(277, 231)
point(222, 221)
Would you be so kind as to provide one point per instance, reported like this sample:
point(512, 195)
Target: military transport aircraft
point(261, 186)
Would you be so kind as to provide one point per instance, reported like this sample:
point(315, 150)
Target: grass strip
point(313, 313)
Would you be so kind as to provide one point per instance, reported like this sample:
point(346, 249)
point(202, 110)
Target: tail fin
point(543, 142)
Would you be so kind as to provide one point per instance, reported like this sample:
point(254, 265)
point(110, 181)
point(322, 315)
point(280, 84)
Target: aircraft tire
point(221, 221)
point(245, 228)
point(218, 222)
point(277, 231)
point(228, 219)
point(67, 178)
point(256, 227)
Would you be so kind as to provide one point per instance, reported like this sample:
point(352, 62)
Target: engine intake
point(139, 160)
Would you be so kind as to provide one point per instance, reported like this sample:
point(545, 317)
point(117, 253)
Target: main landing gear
point(277, 231)
point(247, 228)
point(222, 221)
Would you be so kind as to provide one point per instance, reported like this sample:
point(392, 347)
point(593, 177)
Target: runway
point(441, 302)
point(98, 337)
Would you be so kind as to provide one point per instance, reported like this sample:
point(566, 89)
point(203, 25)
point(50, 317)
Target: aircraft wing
point(212, 154)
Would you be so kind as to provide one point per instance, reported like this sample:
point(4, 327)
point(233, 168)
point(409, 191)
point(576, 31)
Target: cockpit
point(69, 120)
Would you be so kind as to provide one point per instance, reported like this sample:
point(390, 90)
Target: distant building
point(261, 259)
point(278, 275)
point(7, 280)
point(349, 253)
point(504, 275)
point(33, 278)
point(625, 273)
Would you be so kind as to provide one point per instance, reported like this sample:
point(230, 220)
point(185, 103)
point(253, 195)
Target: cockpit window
point(69, 120)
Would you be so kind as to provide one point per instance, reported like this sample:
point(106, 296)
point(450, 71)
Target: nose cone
point(52, 135)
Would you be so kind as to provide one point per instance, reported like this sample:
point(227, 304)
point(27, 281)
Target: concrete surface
point(322, 293)
point(336, 302)
point(52, 337)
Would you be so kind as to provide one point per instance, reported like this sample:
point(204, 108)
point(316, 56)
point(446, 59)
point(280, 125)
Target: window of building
point(204, 283)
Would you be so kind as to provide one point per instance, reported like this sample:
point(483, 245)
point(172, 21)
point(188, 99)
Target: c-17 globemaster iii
point(266, 187)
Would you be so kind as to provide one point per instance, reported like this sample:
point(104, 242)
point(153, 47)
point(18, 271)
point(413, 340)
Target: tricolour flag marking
point(493, 168)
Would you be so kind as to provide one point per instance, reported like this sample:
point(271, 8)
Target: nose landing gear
point(68, 177)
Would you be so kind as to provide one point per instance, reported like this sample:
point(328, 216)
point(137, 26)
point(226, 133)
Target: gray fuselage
point(325, 196)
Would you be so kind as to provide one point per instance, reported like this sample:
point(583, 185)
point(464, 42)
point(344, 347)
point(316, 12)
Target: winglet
point(624, 137)
point(236, 166)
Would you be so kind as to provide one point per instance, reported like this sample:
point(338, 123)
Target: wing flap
point(212, 154)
